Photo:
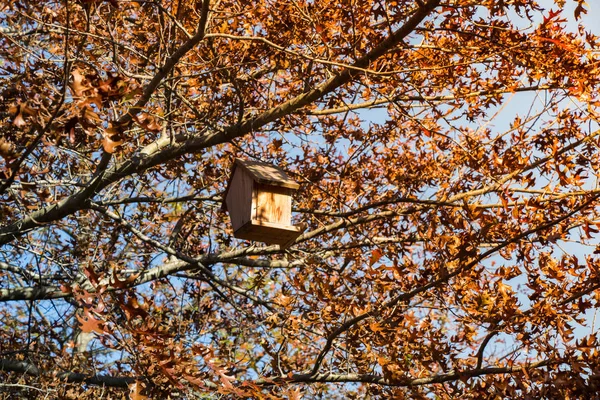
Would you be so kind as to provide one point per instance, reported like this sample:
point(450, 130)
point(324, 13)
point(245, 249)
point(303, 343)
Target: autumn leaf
point(375, 256)
point(580, 9)
point(135, 391)
point(110, 145)
point(132, 308)
point(88, 323)
point(7, 149)
point(88, 118)
point(148, 122)
point(20, 112)
point(66, 289)
point(92, 275)
point(79, 84)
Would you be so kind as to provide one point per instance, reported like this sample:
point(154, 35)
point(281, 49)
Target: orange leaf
point(135, 391)
point(375, 327)
point(78, 86)
point(19, 122)
point(89, 323)
point(21, 110)
point(110, 145)
point(375, 256)
point(122, 284)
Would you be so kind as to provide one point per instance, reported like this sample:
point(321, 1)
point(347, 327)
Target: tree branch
point(24, 367)
point(407, 382)
point(424, 99)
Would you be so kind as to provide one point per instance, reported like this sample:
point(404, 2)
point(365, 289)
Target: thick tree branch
point(23, 367)
point(124, 382)
point(191, 263)
point(145, 199)
point(407, 382)
point(32, 293)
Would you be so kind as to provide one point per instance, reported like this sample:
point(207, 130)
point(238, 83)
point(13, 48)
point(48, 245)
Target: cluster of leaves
point(449, 246)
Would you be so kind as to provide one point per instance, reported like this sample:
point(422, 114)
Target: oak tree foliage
point(448, 157)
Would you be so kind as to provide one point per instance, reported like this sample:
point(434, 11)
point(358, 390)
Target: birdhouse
point(259, 201)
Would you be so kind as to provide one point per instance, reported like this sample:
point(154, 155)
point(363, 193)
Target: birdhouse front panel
point(273, 204)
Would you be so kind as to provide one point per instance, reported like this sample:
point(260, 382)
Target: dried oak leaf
point(113, 87)
point(110, 145)
point(135, 391)
point(79, 84)
point(92, 276)
point(112, 2)
point(90, 324)
point(21, 111)
point(148, 122)
point(113, 137)
point(70, 129)
point(7, 149)
point(88, 118)
point(132, 308)
point(375, 256)
point(122, 283)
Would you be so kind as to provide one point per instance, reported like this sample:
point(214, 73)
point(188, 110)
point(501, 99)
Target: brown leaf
point(375, 256)
point(135, 391)
point(132, 308)
point(21, 111)
point(70, 129)
point(19, 122)
point(7, 149)
point(148, 122)
point(88, 323)
point(79, 84)
point(92, 276)
point(109, 145)
point(122, 284)
point(89, 119)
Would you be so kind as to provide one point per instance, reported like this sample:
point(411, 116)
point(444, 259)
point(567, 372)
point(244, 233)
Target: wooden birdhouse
point(259, 201)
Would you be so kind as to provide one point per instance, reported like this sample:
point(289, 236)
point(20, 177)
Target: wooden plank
point(273, 204)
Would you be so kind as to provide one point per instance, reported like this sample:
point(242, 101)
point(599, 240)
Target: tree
point(447, 152)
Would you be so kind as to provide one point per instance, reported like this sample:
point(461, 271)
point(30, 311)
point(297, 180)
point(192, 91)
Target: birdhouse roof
point(265, 173)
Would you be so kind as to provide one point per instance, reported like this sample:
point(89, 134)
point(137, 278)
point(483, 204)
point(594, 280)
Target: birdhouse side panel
point(273, 204)
point(239, 199)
